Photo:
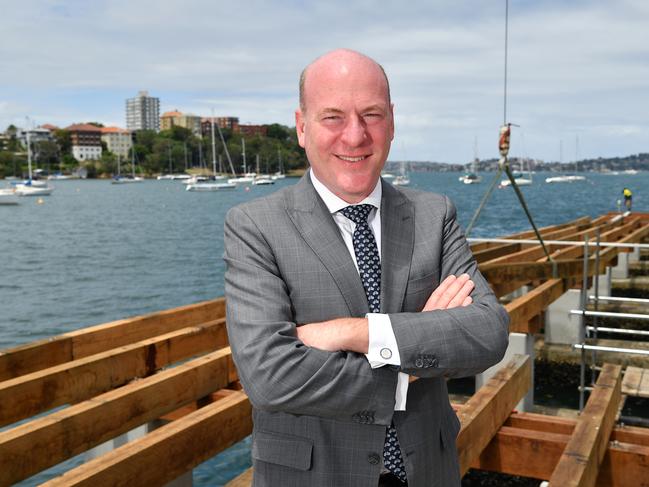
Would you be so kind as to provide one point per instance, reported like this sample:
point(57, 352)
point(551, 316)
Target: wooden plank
point(631, 381)
point(243, 480)
point(579, 223)
point(535, 454)
point(46, 441)
point(579, 463)
point(168, 452)
point(565, 426)
point(643, 389)
point(41, 354)
point(75, 381)
point(489, 407)
point(522, 309)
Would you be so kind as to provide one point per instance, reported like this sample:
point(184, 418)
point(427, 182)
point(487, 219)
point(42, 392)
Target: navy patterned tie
point(369, 268)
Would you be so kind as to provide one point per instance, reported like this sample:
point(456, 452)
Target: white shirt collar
point(335, 204)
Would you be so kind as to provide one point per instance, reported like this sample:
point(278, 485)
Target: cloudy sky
point(578, 70)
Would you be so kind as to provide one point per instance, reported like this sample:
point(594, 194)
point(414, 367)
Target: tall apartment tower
point(143, 112)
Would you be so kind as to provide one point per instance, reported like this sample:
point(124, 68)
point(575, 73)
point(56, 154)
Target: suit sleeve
point(278, 372)
point(456, 342)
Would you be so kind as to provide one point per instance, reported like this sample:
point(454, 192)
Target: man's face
point(347, 125)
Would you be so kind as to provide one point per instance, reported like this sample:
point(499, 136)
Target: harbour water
point(95, 252)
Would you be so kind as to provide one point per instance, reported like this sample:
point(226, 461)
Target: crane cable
point(503, 163)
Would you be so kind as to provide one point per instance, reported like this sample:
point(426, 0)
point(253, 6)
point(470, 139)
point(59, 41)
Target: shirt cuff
point(382, 348)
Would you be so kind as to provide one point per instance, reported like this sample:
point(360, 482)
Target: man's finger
point(467, 301)
point(452, 291)
point(461, 295)
point(431, 303)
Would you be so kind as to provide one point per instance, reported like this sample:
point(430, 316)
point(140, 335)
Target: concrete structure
point(38, 134)
point(178, 119)
point(86, 141)
point(118, 140)
point(143, 112)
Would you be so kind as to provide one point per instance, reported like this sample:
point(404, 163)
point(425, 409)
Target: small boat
point(206, 186)
point(8, 196)
point(119, 179)
point(471, 178)
point(520, 181)
point(263, 180)
point(401, 180)
point(564, 179)
point(248, 177)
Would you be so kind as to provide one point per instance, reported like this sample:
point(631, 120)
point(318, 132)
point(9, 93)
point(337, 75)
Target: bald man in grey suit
point(325, 358)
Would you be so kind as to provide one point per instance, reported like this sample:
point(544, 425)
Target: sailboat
point(207, 185)
point(32, 187)
point(567, 178)
point(402, 179)
point(518, 177)
point(119, 179)
point(472, 176)
point(262, 179)
point(280, 170)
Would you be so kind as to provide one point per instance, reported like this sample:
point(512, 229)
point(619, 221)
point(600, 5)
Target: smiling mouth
point(352, 159)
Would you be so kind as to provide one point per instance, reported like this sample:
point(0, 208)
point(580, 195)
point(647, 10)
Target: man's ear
point(299, 127)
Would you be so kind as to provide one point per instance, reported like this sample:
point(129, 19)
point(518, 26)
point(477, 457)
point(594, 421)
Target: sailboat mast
point(243, 153)
point(213, 147)
point(29, 154)
point(227, 153)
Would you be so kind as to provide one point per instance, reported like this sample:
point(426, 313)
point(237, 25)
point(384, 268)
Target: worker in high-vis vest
point(628, 198)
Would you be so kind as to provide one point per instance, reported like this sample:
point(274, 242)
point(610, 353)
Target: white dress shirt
point(383, 348)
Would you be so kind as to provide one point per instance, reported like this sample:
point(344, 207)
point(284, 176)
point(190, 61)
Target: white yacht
point(209, 186)
point(8, 196)
point(32, 187)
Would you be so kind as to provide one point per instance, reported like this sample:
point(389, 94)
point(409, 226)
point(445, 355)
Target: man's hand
point(350, 334)
point(451, 293)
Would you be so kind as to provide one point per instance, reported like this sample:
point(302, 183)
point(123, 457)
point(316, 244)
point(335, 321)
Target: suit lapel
point(397, 244)
point(316, 225)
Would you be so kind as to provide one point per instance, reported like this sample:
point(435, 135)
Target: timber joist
point(173, 373)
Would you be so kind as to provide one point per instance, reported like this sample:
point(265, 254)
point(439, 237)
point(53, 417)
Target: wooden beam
point(168, 452)
point(535, 454)
point(579, 463)
point(522, 309)
point(75, 381)
point(489, 407)
point(46, 441)
point(42, 354)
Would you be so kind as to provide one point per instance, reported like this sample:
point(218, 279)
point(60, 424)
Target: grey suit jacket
point(319, 417)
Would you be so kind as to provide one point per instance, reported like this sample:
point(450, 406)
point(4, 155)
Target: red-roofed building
point(50, 127)
point(117, 140)
point(231, 123)
point(86, 141)
point(178, 119)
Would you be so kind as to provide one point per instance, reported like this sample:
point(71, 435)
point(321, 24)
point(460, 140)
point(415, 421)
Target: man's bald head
point(339, 59)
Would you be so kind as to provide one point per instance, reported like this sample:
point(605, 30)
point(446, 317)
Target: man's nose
point(355, 132)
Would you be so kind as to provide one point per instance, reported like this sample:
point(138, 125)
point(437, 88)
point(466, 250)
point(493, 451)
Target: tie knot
point(357, 213)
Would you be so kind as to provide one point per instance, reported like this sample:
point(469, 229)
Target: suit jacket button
point(419, 363)
point(373, 458)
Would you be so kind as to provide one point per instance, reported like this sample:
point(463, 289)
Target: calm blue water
point(95, 252)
